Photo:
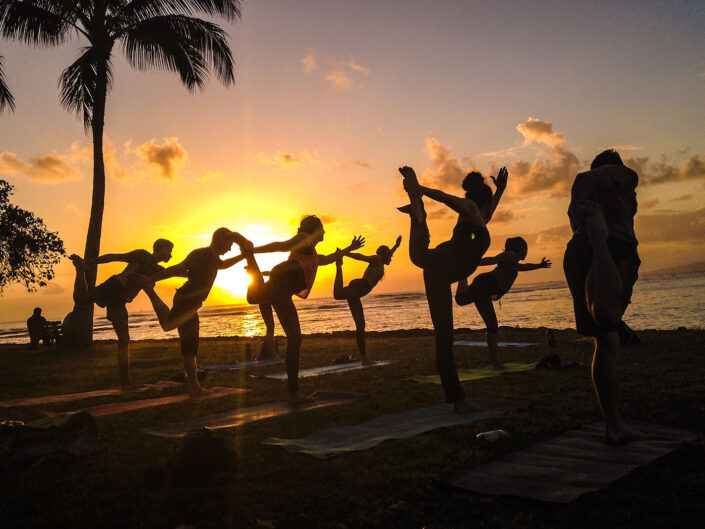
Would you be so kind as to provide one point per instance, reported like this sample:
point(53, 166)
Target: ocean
point(659, 302)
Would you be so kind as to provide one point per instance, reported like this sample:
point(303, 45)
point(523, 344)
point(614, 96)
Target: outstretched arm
point(527, 267)
point(457, 204)
point(396, 245)
point(281, 246)
point(357, 243)
point(504, 257)
point(227, 263)
point(110, 258)
point(177, 270)
point(362, 257)
point(500, 184)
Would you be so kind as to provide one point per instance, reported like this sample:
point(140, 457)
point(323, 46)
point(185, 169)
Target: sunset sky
point(332, 96)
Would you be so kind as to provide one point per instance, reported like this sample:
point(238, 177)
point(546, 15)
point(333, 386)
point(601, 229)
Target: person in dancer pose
point(118, 290)
point(491, 286)
point(358, 288)
point(601, 266)
point(295, 276)
point(200, 268)
point(450, 261)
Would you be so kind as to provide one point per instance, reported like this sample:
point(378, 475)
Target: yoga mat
point(477, 373)
point(132, 405)
point(53, 399)
point(484, 344)
point(569, 465)
point(233, 418)
point(342, 439)
point(324, 370)
point(239, 365)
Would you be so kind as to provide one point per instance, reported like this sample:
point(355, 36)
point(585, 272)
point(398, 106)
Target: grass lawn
point(391, 485)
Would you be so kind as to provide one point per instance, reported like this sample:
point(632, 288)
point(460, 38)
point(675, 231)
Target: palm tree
point(6, 99)
point(159, 34)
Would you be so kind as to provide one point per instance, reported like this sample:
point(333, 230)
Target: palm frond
point(35, 22)
point(78, 83)
point(6, 99)
point(187, 46)
point(138, 10)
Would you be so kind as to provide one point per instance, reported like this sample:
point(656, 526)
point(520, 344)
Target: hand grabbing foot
point(78, 262)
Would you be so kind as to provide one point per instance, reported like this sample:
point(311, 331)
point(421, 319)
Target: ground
point(391, 485)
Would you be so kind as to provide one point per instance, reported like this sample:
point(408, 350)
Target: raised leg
point(338, 292)
point(256, 291)
point(80, 284)
point(160, 309)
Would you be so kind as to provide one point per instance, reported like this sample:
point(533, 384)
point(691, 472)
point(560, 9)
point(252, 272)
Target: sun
point(234, 280)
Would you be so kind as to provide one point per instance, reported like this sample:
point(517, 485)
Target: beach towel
point(324, 370)
point(230, 419)
point(477, 373)
point(563, 468)
point(342, 439)
point(133, 405)
point(53, 399)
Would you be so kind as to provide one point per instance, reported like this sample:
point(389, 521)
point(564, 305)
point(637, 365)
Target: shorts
point(357, 288)
point(111, 294)
point(576, 265)
point(484, 286)
point(184, 315)
point(286, 279)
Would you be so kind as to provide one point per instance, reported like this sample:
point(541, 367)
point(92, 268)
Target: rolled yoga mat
point(229, 419)
point(564, 467)
point(342, 439)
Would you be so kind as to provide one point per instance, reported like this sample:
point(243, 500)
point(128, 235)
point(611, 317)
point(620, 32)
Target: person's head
point(476, 189)
point(312, 225)
point(518, 246)
point(385, 253)
point(608, 157)
point(37, 312)
point(222, 240)
point(161, 249)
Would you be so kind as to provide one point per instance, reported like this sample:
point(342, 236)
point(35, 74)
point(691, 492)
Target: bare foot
point(595, 220)
point(465, 406)
point(78, 262)
point(200, 392)
point(297, 399)
point(366, 361)
point(620, 433)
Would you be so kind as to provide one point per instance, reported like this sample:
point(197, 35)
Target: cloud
point(338, 72)
point(210, 175)
point(553, 171)
point(48, 168)
point(357, 164)
point(287, 159)
point(671, 226)
point(682, 198)
point(648, 204)
point(161, 161)
point(504, 215)
point(666, 170)
point(445, 171)
point(325, 219)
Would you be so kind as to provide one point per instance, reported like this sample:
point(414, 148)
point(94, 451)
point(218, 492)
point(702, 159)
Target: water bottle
point(492, 435)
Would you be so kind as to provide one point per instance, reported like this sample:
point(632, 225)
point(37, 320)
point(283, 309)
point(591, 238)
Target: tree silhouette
point(6, 99)
point(28, 251)
point(153, 34)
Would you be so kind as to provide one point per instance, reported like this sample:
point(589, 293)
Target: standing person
point(295, 276)
point(200, 268)
point(450, 261)
point(36, 327)
point(601, 266)
point(491, 286)
point(358, 288)
point(118, 290)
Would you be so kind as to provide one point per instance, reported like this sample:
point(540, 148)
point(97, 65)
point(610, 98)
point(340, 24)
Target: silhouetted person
point(601, 266)
point(200, 267)
point(491, 286)
point(295, 276)
point(450, 261)
point(36, 327)
point(358, 288)
point(118, 290)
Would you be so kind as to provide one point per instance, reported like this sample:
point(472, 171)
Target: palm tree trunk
point(78, 325)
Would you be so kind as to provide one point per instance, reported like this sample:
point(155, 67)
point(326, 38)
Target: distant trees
point(28, 250)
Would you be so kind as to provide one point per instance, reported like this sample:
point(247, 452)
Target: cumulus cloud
point(161, 161)
point(551, 171)
point(504, 215)
point(48, 168)
point(287, 159)
point(338, 72)
point(445, 170)
point(666, 169)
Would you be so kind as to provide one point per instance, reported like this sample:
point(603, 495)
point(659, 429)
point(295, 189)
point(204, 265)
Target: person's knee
point(606, 315)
